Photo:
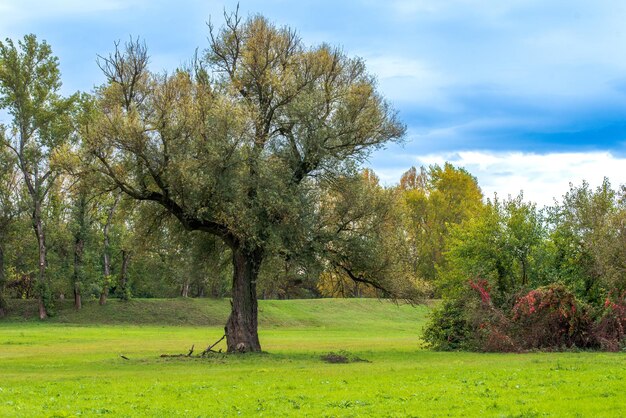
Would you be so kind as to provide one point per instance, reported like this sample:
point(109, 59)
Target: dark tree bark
point(241, 328)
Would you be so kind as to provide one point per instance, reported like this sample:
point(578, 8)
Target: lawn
point(72, 367)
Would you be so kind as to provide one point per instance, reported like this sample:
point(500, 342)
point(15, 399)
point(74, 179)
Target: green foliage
point(448, 328)
point(588, 240)
point(365, 242)
point(434, 201)
point(501, 245)
point(41, 125)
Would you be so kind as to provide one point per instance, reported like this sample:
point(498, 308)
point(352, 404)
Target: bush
point(469, 322)
point(448, 328)
point(551, 317)
point(609, 330)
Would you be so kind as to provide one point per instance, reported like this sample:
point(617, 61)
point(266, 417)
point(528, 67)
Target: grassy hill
point(333, 313)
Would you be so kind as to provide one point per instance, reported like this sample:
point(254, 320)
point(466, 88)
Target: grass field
point(71, 366)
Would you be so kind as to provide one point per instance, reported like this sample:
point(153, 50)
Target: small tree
point(80, 226)
point(109, 206)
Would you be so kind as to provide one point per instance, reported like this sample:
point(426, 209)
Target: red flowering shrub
point(551, 317)
point(491, 326)
point(469, 322)
point(609, 330)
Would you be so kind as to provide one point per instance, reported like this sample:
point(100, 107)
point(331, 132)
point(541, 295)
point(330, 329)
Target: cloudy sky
point(525, 94)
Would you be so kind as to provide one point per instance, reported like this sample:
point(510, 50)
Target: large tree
point(240, 144)
point(41, 123)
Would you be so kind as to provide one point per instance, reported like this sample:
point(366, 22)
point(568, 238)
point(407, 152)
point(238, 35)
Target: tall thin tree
point(41, 124)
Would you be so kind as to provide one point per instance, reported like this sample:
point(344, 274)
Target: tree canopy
point(241, 144)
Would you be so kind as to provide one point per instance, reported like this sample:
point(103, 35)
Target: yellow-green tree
point(435, 199)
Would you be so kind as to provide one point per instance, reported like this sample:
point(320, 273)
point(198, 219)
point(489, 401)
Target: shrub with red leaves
point(481, 286)
point(551, 317)
point(609, 330)
point(491, 326)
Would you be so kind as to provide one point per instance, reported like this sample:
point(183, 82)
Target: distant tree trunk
point(80, 233)
point(125, 293)
point(200, 289)
point(185, 289)
point(104, 294)
point(241, 328)
point(42, 284)
point(3, 302)
point(79, 246)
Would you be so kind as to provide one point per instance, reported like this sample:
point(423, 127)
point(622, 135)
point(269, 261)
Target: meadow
point(71, 365)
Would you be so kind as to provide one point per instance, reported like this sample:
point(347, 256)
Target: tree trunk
point(241, 328)
point(79, 245)
point(43, 291)
point(125, 292)
point(107, 256)
point(104, 293)
point(3, 302)
point(185, 290)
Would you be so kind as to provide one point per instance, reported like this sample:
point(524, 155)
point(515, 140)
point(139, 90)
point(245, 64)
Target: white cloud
point(542, 177)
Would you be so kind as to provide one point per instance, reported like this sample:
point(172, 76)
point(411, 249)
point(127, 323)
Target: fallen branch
point(189, 354)
point(210, 348)
point(180, 355)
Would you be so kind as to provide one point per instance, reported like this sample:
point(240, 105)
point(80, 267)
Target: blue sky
point(525, 94)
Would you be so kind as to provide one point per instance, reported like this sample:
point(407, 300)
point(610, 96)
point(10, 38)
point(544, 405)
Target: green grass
point(70, 367)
